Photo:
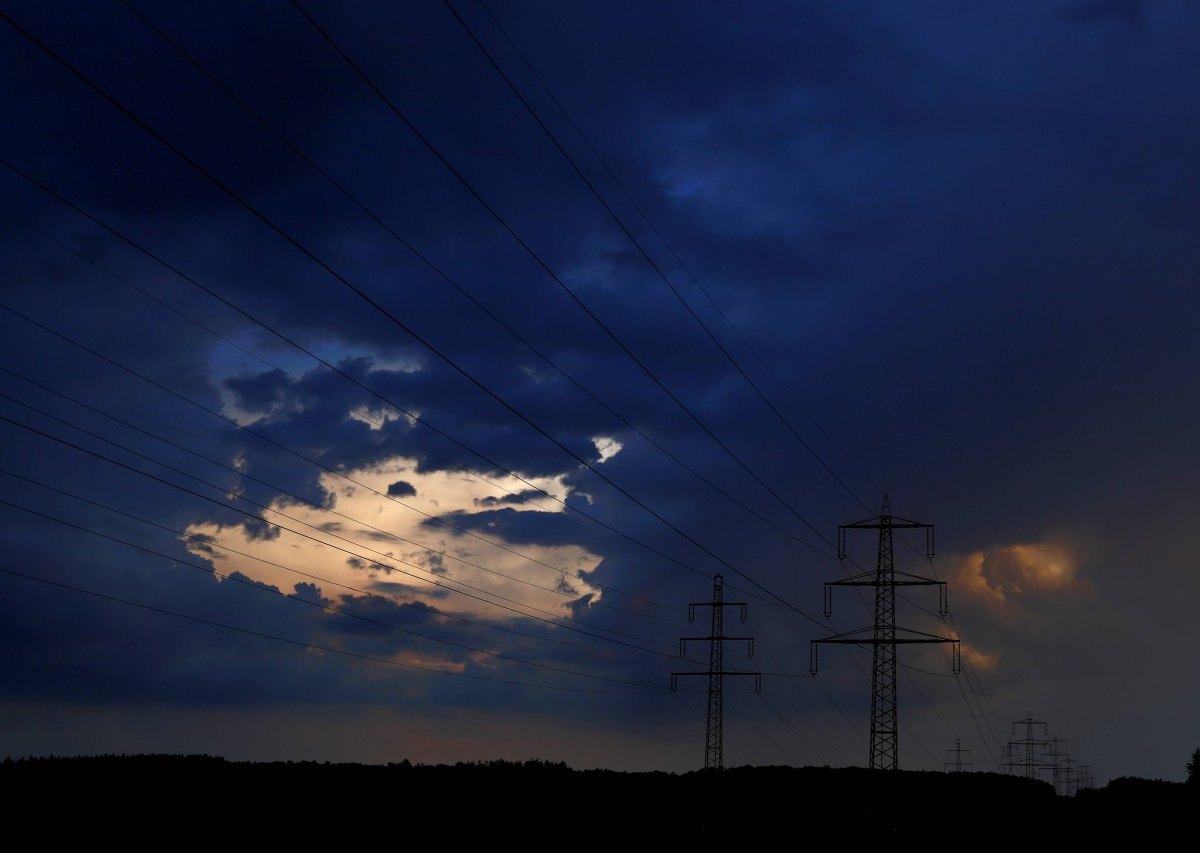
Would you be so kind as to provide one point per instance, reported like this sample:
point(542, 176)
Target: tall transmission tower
point(884, 635)
point(1059, 762)
point(1068, 778)
point(1028, 744)
point(1085, 778)
point(1007, 763)
point(957, 763)
point(714, 735)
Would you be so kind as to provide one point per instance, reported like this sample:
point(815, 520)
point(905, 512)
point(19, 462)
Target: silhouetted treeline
point(309, 801)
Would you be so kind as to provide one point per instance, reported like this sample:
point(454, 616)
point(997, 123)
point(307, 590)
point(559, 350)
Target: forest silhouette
point(310, 800)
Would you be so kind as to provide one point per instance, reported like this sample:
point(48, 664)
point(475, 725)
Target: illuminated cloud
point(380, 544)
point(607, 447)
point(978, 658)
point(999, 576)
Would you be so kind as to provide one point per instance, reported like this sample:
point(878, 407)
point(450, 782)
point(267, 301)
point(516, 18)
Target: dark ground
point(192, 799)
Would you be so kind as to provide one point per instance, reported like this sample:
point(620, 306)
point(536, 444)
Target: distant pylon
point(883, 635)
point(1060, 767)
point(957, 764)
point(1085, 777)
point(1007, 764)
point(714, 735)
point(1030, 765)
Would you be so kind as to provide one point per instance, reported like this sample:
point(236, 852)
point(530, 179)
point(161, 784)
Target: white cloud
point(606, 446)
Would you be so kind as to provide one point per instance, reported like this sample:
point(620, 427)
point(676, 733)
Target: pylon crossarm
point(871, 641)
point(709, 639)
point(675, 675)
point(861, 579)
point(897, 521)
point(844, 636)
point(918, 579)
point(915, 580)
point(893, 521)
point(936, 637)
point(867, 636)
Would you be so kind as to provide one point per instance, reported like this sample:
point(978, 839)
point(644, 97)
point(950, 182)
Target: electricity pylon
point(1086, 780)
point(1059, 762)
point(958, 764)
point(1030, 743)
point(1007, 763)
point(883, 635)
point(714, 735)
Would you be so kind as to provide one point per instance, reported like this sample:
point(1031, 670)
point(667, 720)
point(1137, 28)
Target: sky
point(386, 381)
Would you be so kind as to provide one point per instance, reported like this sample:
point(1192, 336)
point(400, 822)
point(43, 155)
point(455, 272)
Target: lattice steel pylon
point(1060, 762)
point(883, 635)
point(714, 732)
point(1085, 778)
point(957, 765)
point(1030, 765)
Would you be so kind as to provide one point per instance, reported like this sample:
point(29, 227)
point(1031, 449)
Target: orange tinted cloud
point(980, 659)
point(998, 576)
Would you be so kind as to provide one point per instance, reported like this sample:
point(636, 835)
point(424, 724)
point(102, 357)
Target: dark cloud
point(956, 243)
point(267, 394)
point(310, 592)
point(518, 526)
point(257, 529)
point(1131, 13)
point(521, 497)
point(401, 488)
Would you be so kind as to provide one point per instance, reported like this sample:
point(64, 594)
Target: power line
point(381, 424)
point(294, 497)
point(754, 725)
point(460, 289)
point(335, 369)
point(329, 544)
point(288, 494)
point(324, 580)
point(833, 701)
point(233, 423)
point(951, 622)
point(380, 308)
point(809, 743)
point(579, 172)
point(932, 707)
point(301, 643)
point(554, 276)
point(971, 710)
point(111, 361)
point(328, 608)
point(641, 212)
point(884, 636)
point(313, 257)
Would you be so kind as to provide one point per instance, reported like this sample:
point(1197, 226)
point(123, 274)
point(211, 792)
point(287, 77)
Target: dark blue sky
point(334, 273)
